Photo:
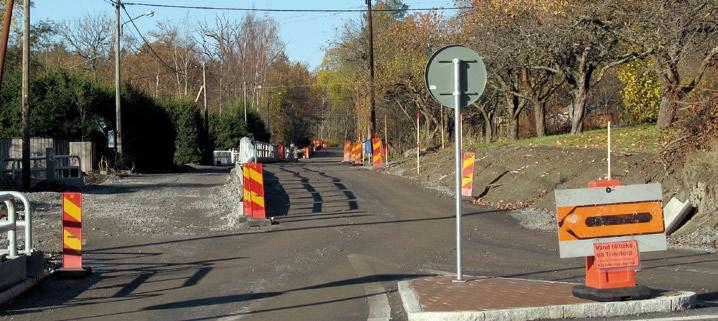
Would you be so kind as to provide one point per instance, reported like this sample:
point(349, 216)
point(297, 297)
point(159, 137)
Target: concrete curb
point(680, 301)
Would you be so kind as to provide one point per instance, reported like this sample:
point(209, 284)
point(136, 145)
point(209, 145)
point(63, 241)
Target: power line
point(168, 66)
point(157, 5)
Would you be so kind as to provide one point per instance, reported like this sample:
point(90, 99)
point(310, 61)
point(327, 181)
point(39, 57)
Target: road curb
point(679, 301)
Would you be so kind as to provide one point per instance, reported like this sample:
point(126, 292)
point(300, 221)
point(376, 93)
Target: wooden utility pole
point(371, 69)
point(118, 103)
point(6, 20)
point(25, 95)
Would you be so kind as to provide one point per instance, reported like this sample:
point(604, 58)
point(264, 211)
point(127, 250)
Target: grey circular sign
point(439, 75)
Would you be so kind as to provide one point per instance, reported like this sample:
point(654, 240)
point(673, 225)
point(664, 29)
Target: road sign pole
point(457, 156)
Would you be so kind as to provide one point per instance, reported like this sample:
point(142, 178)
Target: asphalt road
point(344, 237)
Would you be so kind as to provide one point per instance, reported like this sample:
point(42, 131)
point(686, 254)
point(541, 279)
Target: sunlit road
point(344, 237)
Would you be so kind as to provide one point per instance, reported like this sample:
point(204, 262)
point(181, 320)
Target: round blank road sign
point(439, 75)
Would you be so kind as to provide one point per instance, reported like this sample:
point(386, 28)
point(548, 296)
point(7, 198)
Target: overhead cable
point(158, 5)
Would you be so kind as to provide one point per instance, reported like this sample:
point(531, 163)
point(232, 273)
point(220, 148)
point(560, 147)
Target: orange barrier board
point(356, 153)
point(255, 185)
point(377, 153)
point(467, 174)
point(347, 151)
point(72, 231)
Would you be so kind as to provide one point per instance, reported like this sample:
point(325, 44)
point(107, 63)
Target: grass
point(630, 139)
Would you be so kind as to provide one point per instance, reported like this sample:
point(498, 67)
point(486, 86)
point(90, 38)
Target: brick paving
point(441, 294)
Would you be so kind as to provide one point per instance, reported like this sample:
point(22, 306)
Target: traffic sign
point(456, 77)
point(440, 75)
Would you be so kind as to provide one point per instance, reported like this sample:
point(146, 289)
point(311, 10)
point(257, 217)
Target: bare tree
point(89, 37)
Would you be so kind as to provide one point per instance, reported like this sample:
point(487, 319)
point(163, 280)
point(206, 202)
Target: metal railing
point(11, 223)
point(63, 167)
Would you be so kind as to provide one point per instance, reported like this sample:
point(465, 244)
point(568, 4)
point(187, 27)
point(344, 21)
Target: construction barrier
point(377, 153)
point(72, 231)
point(609, 224)
point(254, 191)
point(347, 151)
point(356, 153)
point(467, 174)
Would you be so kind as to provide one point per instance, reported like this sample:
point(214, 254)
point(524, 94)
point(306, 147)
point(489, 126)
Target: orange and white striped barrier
point(347, 151)
point(254, 191)
point(72, 235)
point(467, 174)
point(356, 153)
point(377, 153)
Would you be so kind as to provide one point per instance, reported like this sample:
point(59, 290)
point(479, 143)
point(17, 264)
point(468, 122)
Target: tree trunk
point(540, 117)
point(514, 110)
point(668, 107)
point(579, 109)
point(488, 128)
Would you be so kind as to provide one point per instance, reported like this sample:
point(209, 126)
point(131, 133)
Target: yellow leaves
point(641, 91)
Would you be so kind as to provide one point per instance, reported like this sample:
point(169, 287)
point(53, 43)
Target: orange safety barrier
point(356, 153)
point(467, 174)
point(254, 184)
point(72, 231)
point(615, 278)
point(377, 153)
point(347, 151)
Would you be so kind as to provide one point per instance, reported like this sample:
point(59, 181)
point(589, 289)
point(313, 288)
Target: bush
point(189, 127)
point(641, 92)
point(228, 128)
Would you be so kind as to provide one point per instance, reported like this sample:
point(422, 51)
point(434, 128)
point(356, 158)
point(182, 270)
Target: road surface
point(344, 237)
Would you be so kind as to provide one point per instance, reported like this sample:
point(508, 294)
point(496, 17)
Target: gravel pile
point(152, 205)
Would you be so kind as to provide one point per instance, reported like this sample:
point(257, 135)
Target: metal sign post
point(456, 77)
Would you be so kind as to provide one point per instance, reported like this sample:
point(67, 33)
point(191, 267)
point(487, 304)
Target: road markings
point(379, 309)
point(688, 318)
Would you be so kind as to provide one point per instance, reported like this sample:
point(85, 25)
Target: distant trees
point(548, 62)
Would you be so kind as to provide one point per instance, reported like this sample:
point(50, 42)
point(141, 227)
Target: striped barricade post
point(377, 153)
point(467, 175)
point(256, 189)
point(347, 151)
point(72, 237)
point(356, 153)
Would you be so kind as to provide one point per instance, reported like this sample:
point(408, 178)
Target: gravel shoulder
point(201, 201)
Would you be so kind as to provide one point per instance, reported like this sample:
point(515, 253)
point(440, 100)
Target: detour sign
point(586, 216)
point(616, 255)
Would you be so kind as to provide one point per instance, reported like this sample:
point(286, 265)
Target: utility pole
point(25, 95)
point(7, 19)
point(118, 107)
point(204, 87)
point(371, 68)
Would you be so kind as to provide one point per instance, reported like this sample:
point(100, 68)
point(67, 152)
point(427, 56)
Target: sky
point(305, 35)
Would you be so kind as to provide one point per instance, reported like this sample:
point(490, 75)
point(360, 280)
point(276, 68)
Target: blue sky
point(305, 34)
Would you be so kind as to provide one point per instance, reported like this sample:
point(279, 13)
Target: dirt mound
point(523, 178)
